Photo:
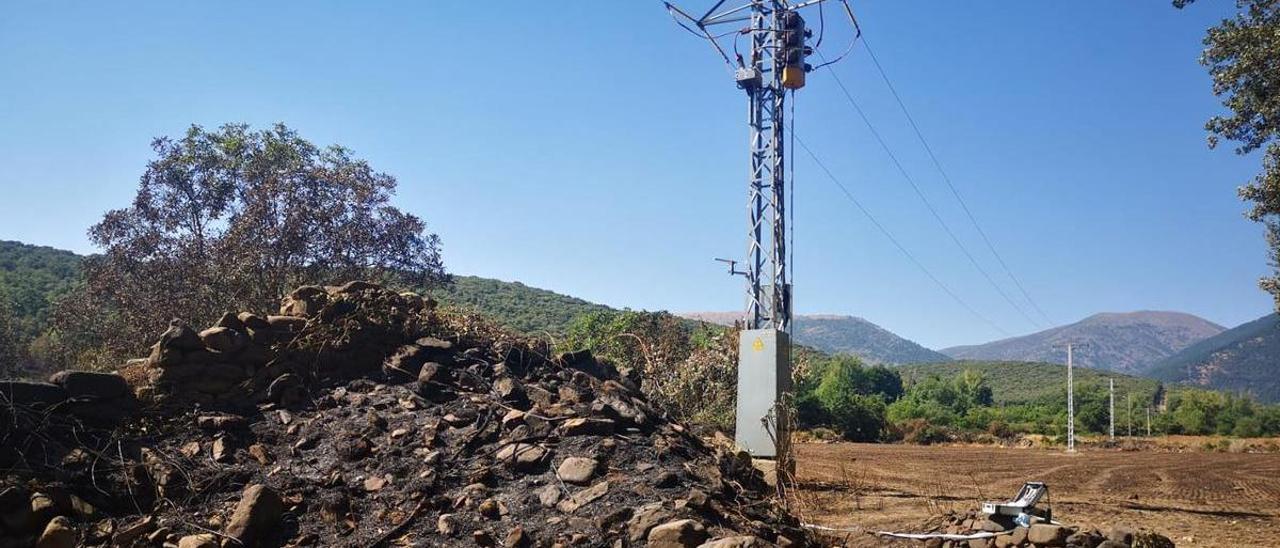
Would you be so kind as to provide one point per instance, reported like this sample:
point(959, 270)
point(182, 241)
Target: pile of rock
point(1039, 534)
point(245, 358)
point(363, 417)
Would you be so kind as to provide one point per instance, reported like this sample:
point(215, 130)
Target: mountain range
point(1169, 346)
point(1245, 359)
point(1128, 342)
point(836, 334)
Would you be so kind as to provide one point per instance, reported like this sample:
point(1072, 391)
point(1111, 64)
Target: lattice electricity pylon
point(775, 64)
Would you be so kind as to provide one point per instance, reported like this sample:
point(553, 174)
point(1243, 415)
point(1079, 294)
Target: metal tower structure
point(1111, 429)
point(1071, 405)
point(774, 65)
point(1128, 401)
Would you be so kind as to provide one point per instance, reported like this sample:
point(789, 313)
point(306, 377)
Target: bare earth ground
point(1195, 498)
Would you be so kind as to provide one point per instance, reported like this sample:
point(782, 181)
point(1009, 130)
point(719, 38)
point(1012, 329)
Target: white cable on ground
point(913, 536)
point(943, 536)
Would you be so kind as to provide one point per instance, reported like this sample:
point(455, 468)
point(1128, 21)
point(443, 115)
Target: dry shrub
point(690, 370)
point(923, 432)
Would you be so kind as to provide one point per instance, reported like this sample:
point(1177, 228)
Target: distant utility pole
point(775, 64)
point(1111, 429)
point(1128, 399)
point(1071, 405)
point(1148, 421)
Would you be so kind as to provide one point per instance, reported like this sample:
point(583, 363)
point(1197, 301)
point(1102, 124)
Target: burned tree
point(233, 218)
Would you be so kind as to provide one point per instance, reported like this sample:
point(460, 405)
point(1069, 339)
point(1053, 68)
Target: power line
point(947, 178)
point(891, 238)
point(929, 205)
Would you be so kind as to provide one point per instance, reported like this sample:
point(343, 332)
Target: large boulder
point(223, 340)
point(180, 336)
point(577, 470)
point(1121, 534)
point(91, 385)
point(1044, 534)
point(257, 514)
point(1151, 539)
point(305, 302)
point(289, 324)
point(59, 533)
point(524, 457)
point(685, 533)
point(174, 344)
point(204, 540)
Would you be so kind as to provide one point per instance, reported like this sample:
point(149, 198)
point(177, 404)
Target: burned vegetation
point(363, 417)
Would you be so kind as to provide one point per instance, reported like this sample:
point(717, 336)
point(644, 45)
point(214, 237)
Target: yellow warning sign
point(757, 345)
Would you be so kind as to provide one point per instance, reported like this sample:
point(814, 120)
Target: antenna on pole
point(774, 65)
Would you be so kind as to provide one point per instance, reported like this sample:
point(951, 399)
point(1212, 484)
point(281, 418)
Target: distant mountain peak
point(1155, 317)
point(1120, 341)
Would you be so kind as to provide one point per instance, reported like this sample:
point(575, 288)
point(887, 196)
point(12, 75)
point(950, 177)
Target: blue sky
point(595, 149)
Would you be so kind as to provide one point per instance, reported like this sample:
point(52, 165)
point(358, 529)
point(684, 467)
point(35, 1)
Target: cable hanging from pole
point(947, 179)
point(933, 211)
point(791, 201)
point(857, 35)
point(885, 231)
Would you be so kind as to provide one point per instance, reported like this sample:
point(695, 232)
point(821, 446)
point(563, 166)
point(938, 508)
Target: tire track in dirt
point(1220, 499)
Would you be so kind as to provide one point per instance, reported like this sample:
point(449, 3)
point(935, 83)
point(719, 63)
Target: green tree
point(1242, 55)
point(973, 389)
point(232, 219)
point(846, 396)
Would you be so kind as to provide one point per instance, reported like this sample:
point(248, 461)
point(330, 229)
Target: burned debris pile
point(364, 417)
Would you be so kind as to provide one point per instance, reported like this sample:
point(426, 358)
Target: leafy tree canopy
point(233, 218)
point(1243, 58)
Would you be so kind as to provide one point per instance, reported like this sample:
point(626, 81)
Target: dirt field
point(1195, 498)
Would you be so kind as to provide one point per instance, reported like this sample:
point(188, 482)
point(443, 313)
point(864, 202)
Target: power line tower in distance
point(774, 65)
point(1071, 396)
point(1111, 415)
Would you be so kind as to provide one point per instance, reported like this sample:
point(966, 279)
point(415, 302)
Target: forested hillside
point(32, 277)
point(1027, 382)
point(1244, 359)
point(518, 306)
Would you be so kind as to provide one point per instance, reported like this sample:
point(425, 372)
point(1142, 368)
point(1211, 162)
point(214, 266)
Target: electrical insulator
point(793, 50)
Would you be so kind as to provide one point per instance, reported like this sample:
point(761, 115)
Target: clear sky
point(593, 148)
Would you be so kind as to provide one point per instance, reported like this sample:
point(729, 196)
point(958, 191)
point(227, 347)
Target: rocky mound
point(1040, 533)
point(362, 417)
